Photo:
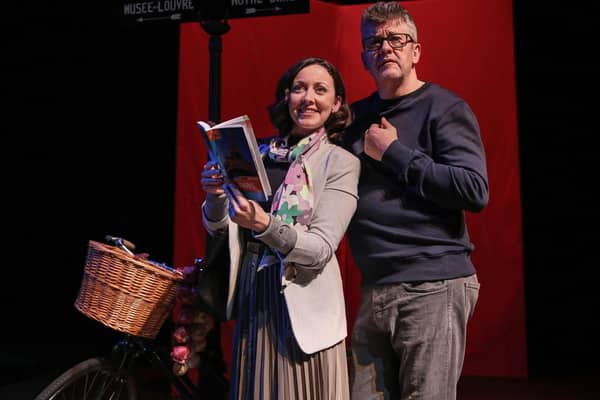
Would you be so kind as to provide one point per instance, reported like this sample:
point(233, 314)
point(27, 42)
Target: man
point(422, 166)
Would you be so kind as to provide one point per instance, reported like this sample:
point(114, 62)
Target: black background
point(90, 152)
point(89, 149)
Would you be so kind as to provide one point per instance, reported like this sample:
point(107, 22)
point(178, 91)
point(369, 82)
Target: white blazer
point(315, 298)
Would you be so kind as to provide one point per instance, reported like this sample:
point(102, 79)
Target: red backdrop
point(467, 46)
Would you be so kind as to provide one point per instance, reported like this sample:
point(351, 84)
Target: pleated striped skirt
point(267, 363)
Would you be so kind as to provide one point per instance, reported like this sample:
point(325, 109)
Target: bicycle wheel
point(91, 379)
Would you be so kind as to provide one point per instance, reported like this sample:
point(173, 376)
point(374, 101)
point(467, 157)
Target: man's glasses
point(396, 41)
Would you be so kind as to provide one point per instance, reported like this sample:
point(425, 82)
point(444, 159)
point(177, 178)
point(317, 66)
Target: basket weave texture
point(124, 292)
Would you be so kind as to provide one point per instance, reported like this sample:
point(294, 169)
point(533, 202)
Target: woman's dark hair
point(280, 115)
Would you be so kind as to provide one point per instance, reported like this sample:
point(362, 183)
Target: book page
point(233, 145)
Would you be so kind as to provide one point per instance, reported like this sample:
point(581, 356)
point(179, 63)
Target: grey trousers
point(408, 340)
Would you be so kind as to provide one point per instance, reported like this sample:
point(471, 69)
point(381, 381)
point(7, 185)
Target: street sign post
point(212, 16)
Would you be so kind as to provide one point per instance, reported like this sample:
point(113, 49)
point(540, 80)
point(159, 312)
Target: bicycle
point(112, 376)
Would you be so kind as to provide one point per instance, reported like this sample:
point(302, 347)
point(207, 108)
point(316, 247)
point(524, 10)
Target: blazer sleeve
point(214, 213)
point(335, 204)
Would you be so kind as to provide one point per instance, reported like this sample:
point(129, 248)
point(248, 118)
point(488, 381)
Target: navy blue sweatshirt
point(410, 223)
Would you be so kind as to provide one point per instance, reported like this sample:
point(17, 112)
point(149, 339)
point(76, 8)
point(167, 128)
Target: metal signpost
point(213, 16)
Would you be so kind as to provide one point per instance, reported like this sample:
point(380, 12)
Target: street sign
point(261, 8)
point(189, 10)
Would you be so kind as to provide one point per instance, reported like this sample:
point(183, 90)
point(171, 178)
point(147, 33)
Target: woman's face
point(311, 99)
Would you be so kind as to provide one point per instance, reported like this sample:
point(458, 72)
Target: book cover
point(232, 144)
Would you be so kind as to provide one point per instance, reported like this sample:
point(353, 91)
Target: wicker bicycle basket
point(125, 292)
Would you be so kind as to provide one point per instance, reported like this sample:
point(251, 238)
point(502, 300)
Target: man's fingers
point(385, 123)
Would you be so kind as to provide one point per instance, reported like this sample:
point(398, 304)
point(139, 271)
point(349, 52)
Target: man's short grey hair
point(385, 11)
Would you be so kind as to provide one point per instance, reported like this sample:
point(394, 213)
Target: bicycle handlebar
point(120, 242)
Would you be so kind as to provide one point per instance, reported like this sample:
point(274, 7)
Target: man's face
point(387, 63)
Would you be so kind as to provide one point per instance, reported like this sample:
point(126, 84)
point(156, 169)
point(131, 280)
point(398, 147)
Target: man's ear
point(363, 57)
point(416, 53)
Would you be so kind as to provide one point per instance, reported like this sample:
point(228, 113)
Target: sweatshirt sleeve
point(455, 177)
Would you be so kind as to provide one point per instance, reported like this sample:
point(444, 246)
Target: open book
point(233, 145)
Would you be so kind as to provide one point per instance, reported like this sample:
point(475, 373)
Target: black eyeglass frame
point(378, 41)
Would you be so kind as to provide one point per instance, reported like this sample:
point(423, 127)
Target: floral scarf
point(293, 201)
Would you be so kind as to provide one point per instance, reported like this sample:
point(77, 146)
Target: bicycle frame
point(129, 348)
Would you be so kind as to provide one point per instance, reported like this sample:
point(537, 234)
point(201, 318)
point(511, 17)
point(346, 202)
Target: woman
point(289, 340)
